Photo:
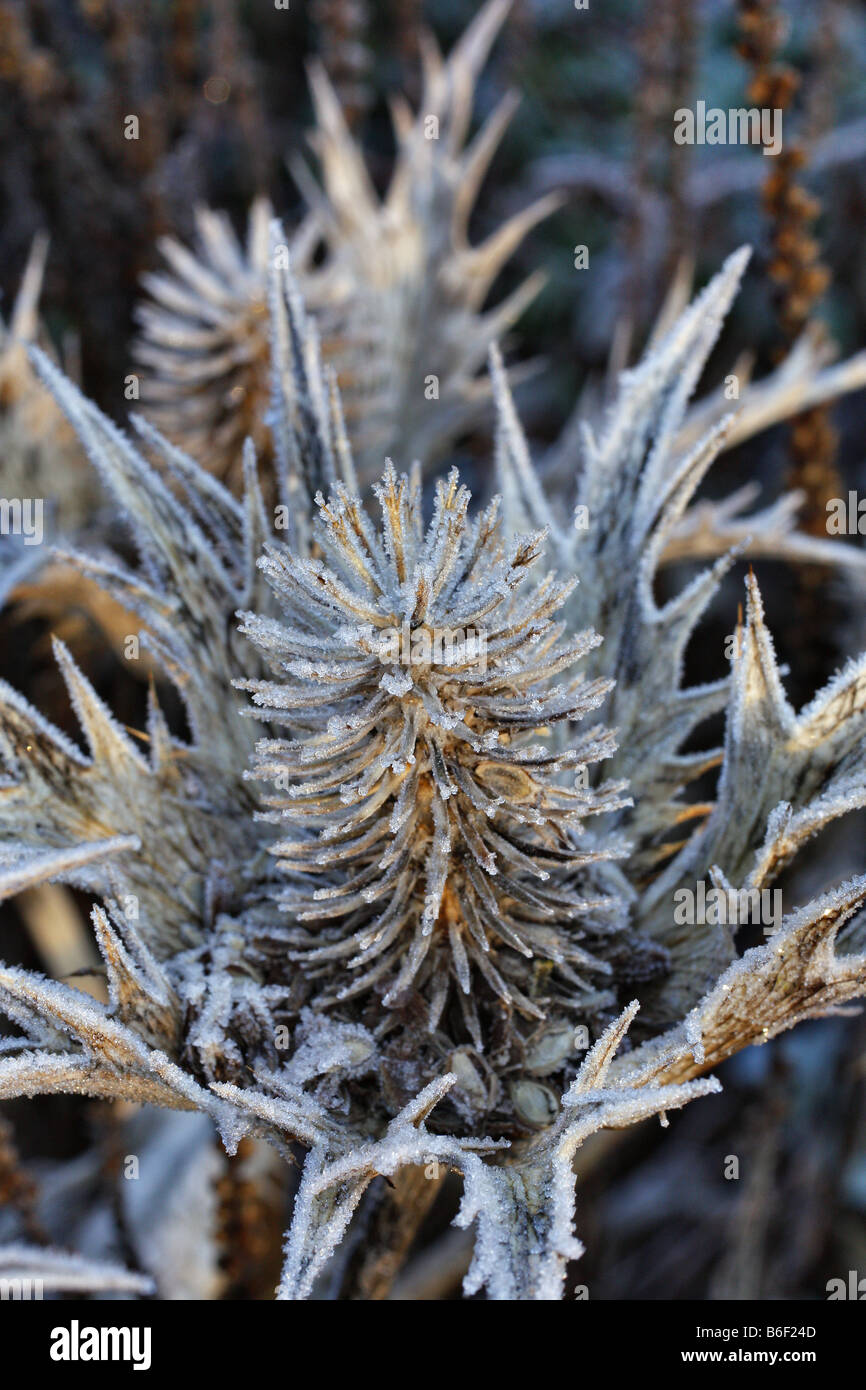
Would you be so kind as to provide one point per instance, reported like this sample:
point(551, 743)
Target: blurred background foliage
point(220, 92)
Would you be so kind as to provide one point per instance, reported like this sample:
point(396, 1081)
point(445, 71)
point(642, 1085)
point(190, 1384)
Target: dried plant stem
point(683, 57)
point(394, 1226)
point(436, 1272)
point(659, 237)
point(800, 280)
point(342, 26)
point(651, 98)
point(250, 1224)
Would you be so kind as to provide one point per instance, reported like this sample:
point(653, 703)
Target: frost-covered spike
point(153, 515)
point(524, 505)
point(302, 413)
point(141, 995)
point(163, 747)
point(758, 701)
point(345, 463)
point(107, 742)
point(24, 322)
point(63, 1272)
point(596, 1064)
point(348, 185)
point(33, 866)
point(783, 777)
point(466, 62)
point(84, 1018)
point(105, 1057)
point(480, 265)
point(690, 342)
point(42, 1073)
point(799, 973)
point(295, 1115)
point(256, 531)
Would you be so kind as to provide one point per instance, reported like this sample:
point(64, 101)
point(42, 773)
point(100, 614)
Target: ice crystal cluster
point(396, 894)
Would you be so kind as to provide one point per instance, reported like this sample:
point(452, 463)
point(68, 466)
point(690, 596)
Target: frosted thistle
point(435, 847)
point(413, 924)
point(427, 819)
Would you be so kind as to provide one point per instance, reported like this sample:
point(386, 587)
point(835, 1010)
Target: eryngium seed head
point(435, 855)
